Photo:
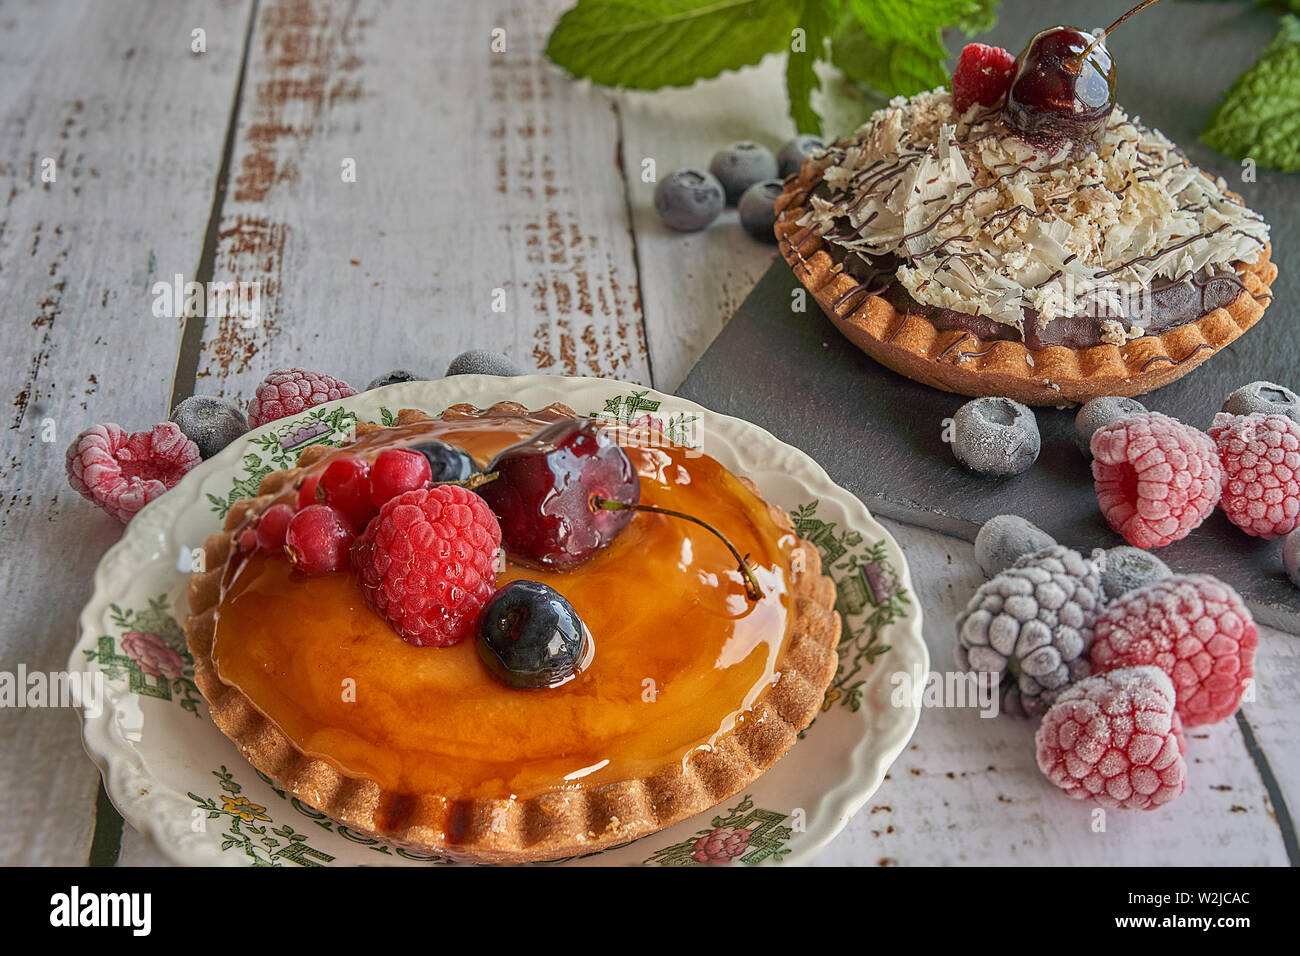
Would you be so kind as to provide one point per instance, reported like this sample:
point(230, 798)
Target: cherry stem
point(1106, 32)
point(472, 482)
point(753, 590)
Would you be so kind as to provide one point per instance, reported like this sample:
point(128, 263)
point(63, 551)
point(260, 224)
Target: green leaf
point(902, 70)
point(1259, 117)
point(646, 44)
point(985, 17)
point(915, 22)
point(818, 21)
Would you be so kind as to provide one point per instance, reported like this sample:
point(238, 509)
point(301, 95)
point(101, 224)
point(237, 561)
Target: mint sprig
point(892, 46)
point(1259, 117)
point(646, 44)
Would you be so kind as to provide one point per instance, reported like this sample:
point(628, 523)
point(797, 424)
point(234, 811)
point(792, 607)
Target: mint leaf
point(902, 70)
point(1259, 117)
point(985, 17)
point(646, 44)
point(915, 22)
point(896, 46)
point(819, 19)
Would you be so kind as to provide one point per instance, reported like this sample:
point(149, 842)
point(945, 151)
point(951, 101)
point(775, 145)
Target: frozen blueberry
point(995, 436)
point(211, 423)
point(757, 212)
point(1004, 540)
point(1099, 413)
point(689, 200)
point(740, 165)
point(394, 377)
point(1291, 556)
point(1264, 397)
point(793, 153)
point(1128, 568)
point(482, 362)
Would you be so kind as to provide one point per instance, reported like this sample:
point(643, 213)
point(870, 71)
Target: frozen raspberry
point(427, 563)
point(1261, 458)
point(1032, 626)
point(288, 391)
point(1156, 478)
point(1193, 627)
point(1115, 739)
point(983, 76)
point(122, 473)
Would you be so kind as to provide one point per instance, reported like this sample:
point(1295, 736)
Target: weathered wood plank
point(134, 123)
point(475, 172)
point(693, 282)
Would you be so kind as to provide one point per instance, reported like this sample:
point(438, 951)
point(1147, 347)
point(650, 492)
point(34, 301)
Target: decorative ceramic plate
point(174, 776)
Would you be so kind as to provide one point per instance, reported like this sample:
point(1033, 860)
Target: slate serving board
point(878, 434)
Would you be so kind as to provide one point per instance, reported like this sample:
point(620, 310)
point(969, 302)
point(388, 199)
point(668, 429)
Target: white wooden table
point(475, 172)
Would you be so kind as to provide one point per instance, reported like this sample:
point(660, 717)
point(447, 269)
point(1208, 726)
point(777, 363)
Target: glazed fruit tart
point(1020, 247)
point(689, 675)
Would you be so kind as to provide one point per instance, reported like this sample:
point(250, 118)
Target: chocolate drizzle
point(953, 347)
point(1186, 358)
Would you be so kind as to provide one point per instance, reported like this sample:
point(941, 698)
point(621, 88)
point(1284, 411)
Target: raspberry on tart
point(1027, 249)
point(687, 690)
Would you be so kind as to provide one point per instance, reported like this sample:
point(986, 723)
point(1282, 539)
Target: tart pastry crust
point(959, 361)
point(562, 823)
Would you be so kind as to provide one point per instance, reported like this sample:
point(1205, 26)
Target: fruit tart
point(506, 635)
point(1021, 235)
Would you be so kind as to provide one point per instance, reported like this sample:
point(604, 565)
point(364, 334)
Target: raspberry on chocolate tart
point(1026, 237)
point(383, 661)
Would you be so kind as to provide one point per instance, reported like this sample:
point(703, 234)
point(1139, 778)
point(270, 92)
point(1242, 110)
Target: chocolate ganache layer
point(1166, 305)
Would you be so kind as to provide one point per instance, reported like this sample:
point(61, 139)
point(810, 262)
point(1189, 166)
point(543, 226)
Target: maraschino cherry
point(565, 493)
point(1063, 90)
point(542, 489)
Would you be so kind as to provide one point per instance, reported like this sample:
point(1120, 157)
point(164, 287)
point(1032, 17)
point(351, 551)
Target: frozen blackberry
point(1004, 540)
point(758, 211)
point(482, 362)
point(995, 436)
point(1099, 413)
point(793, 153)
point(1032, 626)
point(740, 165)
point(395, 377)
point(1127, 568)
point(1264, 397)
point(211, 423)
point(689, 200)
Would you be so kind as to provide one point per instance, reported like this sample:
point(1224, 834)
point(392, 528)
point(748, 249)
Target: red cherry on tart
point(317, 540)
point(345, 485)
point(307, 490)
point(272, 525)
point(396, 471)
point(544, 487)
point(1063, 91)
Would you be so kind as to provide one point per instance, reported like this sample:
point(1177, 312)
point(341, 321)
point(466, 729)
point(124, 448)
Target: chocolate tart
point(856, 273)
point(690, 695)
